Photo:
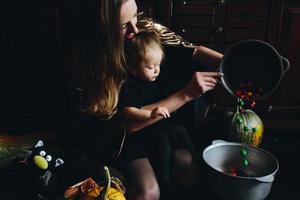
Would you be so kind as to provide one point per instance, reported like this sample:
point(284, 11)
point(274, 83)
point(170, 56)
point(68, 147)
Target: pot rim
point(217, 143)
point(246, 41)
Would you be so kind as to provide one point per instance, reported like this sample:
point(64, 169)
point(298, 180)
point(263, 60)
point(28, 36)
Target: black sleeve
point(130, 96)
point(177, 69)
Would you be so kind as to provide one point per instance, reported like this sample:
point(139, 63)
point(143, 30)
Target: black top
point(137, 93)
point(89, 133)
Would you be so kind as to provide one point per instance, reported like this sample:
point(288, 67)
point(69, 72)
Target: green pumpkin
point(246, 127)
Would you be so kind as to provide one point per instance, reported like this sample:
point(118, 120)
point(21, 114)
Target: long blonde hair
point(101, 57)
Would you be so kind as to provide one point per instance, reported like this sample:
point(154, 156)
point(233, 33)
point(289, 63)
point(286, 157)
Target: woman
point(96, 71)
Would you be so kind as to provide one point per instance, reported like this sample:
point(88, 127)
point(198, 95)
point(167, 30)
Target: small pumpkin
point(112, 194)
point(247, 127)
point(111, 189)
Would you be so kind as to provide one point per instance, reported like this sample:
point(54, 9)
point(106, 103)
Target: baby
point(164, 141)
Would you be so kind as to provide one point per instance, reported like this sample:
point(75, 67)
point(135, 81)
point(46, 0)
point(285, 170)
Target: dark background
point(35, 37)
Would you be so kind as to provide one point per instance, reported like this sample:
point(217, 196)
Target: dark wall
point(33, 38)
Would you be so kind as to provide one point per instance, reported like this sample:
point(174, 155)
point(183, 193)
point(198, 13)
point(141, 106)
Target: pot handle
point(286, 64)
point(266, 179)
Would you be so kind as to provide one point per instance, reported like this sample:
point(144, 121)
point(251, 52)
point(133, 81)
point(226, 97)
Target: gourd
point(106, 191)
point(111, 189)
point(246, 127)
point(112, 194)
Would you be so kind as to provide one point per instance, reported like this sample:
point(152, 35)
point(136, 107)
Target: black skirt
point(143, 143)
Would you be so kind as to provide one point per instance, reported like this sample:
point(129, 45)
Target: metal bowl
point(251, 182)
point(253, 62)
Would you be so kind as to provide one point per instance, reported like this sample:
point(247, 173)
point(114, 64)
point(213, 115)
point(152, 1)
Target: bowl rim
point(242, 42)
point(217, 143)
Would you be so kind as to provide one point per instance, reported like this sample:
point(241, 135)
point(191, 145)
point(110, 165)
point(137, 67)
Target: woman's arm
point(172, 103)
point(200, 83)
point(206, 56)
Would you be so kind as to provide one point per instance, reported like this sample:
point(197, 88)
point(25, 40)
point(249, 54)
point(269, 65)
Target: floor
point(285, 146)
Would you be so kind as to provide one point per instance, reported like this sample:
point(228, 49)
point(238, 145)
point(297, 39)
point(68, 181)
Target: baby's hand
point(160, 111)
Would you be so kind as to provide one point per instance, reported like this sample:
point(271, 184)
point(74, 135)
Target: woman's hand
point(200, 83)
point(160, 111)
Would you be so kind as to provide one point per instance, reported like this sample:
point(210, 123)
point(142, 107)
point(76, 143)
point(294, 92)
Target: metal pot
point(252, 182)
point(255, 63)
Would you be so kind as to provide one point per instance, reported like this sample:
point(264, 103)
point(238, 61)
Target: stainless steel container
point(255, 62)
point(251, 182)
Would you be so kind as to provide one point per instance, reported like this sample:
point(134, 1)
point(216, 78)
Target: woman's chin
point(150, 79)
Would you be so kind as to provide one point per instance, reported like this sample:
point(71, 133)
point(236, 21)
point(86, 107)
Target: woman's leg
point(184, 168)
point(142, 182)
point(160, 155)
point(185, 171)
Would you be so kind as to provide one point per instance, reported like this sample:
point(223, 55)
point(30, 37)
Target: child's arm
point(200, 83)
point(135, 114)
point(172, 103)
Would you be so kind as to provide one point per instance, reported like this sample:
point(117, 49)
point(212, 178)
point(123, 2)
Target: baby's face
point(150, 66)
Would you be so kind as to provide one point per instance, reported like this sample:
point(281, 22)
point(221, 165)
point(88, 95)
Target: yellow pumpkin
point(247, 127)
point(112, 194)
point(111, 189)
